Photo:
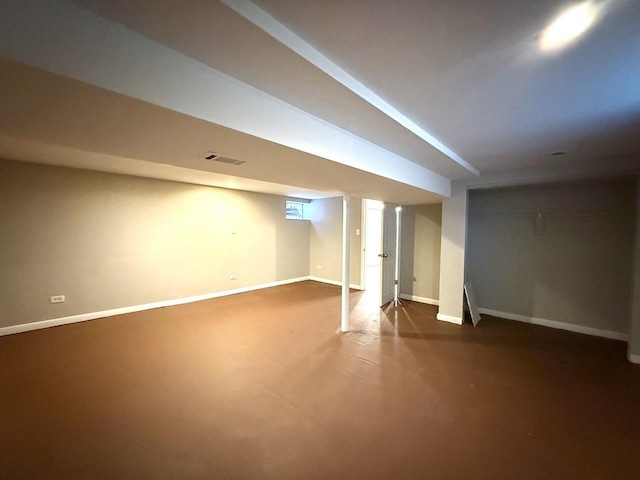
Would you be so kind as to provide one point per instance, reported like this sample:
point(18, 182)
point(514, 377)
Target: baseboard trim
point(415, 298)
point(84, 317)
point(634, 358)
point(334, 282)
point(555, 324)
point(448, 318)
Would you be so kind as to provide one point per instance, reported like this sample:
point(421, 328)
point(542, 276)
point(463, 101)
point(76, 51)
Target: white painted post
point(634, 323)
point(346, 261)
point(452, 253)
point(396, 292)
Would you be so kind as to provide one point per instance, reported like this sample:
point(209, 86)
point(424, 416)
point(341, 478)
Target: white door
point(373, 246)
point(388, 254)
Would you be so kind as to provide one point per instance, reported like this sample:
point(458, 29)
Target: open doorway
point(372, 265)
point(380, 252)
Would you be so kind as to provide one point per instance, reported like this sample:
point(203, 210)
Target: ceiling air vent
point(214, 157)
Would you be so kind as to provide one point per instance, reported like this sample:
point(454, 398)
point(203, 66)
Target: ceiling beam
point(273, 27)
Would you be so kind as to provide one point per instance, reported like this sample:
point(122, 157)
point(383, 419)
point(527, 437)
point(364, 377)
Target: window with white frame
point(295, 210)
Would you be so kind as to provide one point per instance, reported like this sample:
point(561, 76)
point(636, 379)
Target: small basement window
point(295, 210)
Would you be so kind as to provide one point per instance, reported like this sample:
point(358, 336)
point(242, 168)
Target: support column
point(452, 254)
point(634, 321)
point(346, 262)
point(398, 252)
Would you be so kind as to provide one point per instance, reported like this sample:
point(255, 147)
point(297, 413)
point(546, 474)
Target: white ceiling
point(385, 99)
point(472, 74)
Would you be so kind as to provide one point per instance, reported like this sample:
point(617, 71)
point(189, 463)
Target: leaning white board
point(471, 302)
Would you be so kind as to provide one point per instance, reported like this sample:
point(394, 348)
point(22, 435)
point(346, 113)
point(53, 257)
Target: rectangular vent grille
point(216, 158)
point(230, 161)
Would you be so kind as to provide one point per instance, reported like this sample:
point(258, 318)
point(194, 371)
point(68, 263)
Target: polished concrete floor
point(262, 386)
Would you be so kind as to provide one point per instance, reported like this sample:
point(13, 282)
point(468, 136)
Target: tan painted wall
point(578, 272)
point(325, 239)
point(108, 241)
point(421, 228)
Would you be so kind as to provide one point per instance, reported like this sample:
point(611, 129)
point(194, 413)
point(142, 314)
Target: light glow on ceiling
point(569, 25)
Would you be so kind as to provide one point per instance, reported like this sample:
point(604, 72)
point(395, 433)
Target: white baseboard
point(555, 324)
point(448, 318)
point(634, 358)
point(415, 298)
point(333, 282)
point(26, 327)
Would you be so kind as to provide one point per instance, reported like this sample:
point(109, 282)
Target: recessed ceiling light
point(569, 25)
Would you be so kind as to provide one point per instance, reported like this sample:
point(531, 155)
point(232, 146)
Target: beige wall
point(109, 241)
point(421, 227)
point(325, 239)
point(578, 272)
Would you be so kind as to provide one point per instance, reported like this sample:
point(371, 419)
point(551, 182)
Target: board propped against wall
point(471, 303)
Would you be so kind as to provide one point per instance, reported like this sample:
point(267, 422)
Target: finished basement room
point(264, 239)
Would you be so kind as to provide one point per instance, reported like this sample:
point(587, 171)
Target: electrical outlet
point(318, 267)
point(57, 299)
point(234, 276)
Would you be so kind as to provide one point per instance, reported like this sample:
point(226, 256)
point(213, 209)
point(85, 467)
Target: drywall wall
point(454, 214)
point(452, 254)
point(634, 325)
point(576, 271)
point(325, 239)
point(107, 241)
point(420, 237)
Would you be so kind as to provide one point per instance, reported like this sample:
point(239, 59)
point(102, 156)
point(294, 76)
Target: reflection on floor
point(263, 386)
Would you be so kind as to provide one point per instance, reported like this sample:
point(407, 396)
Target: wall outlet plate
point(57, 299)
point(234, 276)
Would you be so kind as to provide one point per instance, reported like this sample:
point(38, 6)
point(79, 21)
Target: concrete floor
point(262, 386)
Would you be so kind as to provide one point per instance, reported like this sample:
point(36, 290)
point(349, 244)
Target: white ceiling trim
point(62, 38)
point(273, 27)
